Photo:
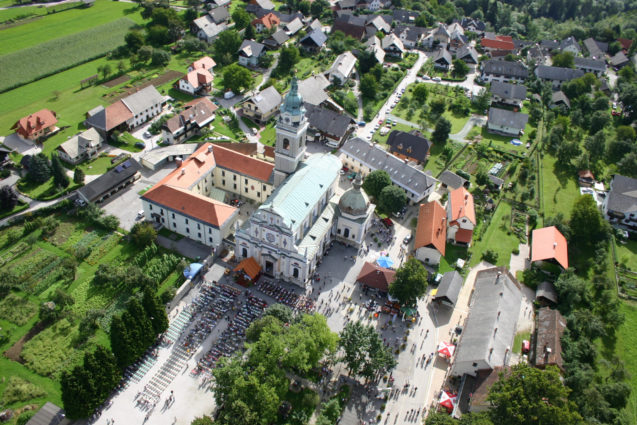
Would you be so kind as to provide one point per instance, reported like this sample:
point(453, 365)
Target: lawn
point(517, 341)
point(45, 191)
point(503, 143)
point(33, 12)
point(268, 134)
point(452, 253)
point(224, 129)
point(127, 142)
point(626, 349)
point(21, 206)
point(65, 23)
point(55, 348)
point(97, 166)
point(498, 237)
point(436, 163)
point(559, 188)
point(398, 127)
point(627, 254)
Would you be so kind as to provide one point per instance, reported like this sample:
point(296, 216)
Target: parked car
point(361, 123)
point(228, 95)
point(254, 131)
point(387, 222)
point(147, 135)
point(140, 214)
point(140, 145)
point(436, 79)
point(407, 239)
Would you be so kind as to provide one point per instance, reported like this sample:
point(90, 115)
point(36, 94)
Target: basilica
point(289, 233)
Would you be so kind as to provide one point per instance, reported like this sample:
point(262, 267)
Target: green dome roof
point(293, 103)
point(354, 201)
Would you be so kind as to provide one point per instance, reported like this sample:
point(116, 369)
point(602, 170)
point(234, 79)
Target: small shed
point(546, 293)
point(49, 414)
point(449, 288)
point(247, 271)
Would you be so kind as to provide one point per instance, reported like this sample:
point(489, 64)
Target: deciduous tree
point(410, 283)
point(365, 354)
point(237, 78)
point(8, 198)
point(392, 199)
point(375, 182)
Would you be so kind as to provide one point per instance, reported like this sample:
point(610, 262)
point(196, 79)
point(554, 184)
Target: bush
point(20, 389)
point(490, 256)
point(25, 417)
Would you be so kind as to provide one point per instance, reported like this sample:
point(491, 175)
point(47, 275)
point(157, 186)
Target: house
point(549, 45)
point(374, 46)
point(440, 35)
point(621, 202)
point(508, 123)
point(449, 289)
point(377, 23)
point(558, 98)
point(277, 39)
point(625, 43)
point(50, 414)
point(473, 25)
point(410, 36)
point(111, 182)
point(36, 125)
point(266, 22)
point(508, 94)
point(504, 71)
point(410, 146)
point(594, 66)
point(81, 147)
point(362, 157)
point(293, 27)
point(312, 89)
point(487, 337)
point(351, 25)
point(329, 126)
point(392, 45)
point(461, 217)
point(262, 106)
point(535, 55)
point(197, 114)
point(197, 82)
point(596, 49)
point(619, 60)
point(431, 233)
point(375, 276)
point(457, 39)
point(451, 181)
point(548, 244)
point(205, 63)
point(549, 327)
point(473, 391)
point(586, 178)
point(557, 75)
point(342, 68)
point(405, 17)
point(314, 25)
point(219, 15)
point(570, 45)
point(495, 182)
point(349, 5)
point(442, 59)
point(218, 3)
point(468, 54)
point(127, 113)
point(250, 52)
point(263, 4)
point(206, 29)
point(500, 45)
point(313, 41)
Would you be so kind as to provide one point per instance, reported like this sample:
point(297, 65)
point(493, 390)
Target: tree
point(289, 56)
point(368, 86)
point(143, 234)
point(460, 68)
point(441, 131)
point(237, 78)
point(226, 46)
point(281, 311)
point(60, 179)
point(528, 395)
point(241, 18)
point(564, 60)
point(193, 44)
point(8, 198)
point(482, 100)
point(599, 120)
point(420, 93)
point(39, 168)
point(145, 53)
point(438, 105)
point(490, 256)
point(160, 57)
point(249, 33)
point(567, 151)
point(392, 199)
point(105, 70)
point(155, 312)
point(78, 176)
point(375, 182)
point(204, 420)
point(158, 35)
point(134, 41)
point(365, 354)
point(410, 283)
point(191, 13)
point(318, 7)
point(482, 178)
point(628, 165)
point(587, 224)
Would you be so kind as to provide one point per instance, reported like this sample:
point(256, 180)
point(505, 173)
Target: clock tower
point(291, 129)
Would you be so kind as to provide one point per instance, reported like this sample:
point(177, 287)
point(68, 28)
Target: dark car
point(140, 145)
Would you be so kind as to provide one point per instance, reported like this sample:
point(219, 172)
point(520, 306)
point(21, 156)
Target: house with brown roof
point(586, 178)
point(461, 216)
point(266, 22)
point(36, 125)
point(431, 233)
point(549, 327)
point(548, 244)
point(375, 276)
point(500, 45)
point(182, 200)
point(197, 114)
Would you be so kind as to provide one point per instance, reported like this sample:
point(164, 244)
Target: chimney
point(554, 245)
point(209, 148)
point(183, 171)
point(178, 161)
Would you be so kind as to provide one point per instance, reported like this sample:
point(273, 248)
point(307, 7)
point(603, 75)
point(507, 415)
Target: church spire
point(293, 103)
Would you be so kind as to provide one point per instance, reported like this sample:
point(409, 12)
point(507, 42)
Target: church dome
point(293, 103)
point(354, 201)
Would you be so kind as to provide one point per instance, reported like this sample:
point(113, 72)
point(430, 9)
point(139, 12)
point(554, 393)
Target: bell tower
point(291, 129)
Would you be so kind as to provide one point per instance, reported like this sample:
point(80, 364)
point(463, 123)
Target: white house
point(461, 216)
point(431, 233)
point(81, 147)
point(342, 68)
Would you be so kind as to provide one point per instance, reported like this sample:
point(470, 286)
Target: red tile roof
point(200, 163)
point(586, 174)
point(625, 43)
point(35, 122)
point(548, 243)
point(461, 205)
point(500, 43)
point(432, 227)
point(116, 114)
point(270, 20)
point(464, 235)
point(191, 204)
point(198, 78)
point(243, 164)
point(375, 276)
point(250, 267)
point(204, 63)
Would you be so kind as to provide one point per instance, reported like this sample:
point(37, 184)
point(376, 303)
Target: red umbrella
point(447, 400)
point(446, 349)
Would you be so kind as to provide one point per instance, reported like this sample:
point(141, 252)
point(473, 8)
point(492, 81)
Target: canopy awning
point(446, 349)
point(250, 267)
point(192, 270)
point(385, 262)
point(447, 400)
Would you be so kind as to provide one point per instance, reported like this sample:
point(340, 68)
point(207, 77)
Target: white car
point(254, 131)
point(140, 214)
point(436, 79)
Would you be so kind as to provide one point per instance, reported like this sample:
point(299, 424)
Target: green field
point(35, 62)
point(33, 12)
point(559, 188)
point(626, 349)
point(69, 22)
point(497, 237)
point(627, 254)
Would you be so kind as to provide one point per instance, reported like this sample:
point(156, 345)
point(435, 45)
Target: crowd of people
point(299, 303)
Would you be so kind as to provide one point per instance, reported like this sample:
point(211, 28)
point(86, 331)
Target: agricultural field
point(33, 12)
point(68, 254)
point(35, 62)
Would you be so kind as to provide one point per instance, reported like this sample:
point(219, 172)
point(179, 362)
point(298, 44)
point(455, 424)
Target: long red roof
point(461, 205)
point(548, 243)
point(432, 227)
point(498, 43)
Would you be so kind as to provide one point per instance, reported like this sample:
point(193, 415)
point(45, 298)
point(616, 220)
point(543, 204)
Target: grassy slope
point(559, 188)
point(65, 23)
